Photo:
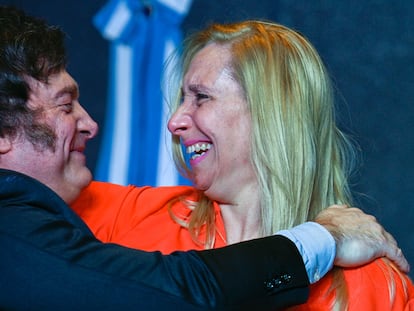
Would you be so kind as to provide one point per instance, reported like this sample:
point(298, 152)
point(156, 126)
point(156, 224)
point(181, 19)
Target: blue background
point(368, 47)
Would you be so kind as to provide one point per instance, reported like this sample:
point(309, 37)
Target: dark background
point(368, 49)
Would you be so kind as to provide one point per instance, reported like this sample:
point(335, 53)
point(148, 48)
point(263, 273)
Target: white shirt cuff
point(316, 245)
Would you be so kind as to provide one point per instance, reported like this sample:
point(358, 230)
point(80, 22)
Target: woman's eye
point(195, 98)
point(200, 97)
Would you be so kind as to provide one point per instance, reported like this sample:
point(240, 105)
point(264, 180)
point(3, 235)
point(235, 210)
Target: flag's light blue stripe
point(136, 147)
point(151, 107)
point(118, 166)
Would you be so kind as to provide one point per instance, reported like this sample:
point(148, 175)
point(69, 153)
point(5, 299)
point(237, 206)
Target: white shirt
point(317, 247)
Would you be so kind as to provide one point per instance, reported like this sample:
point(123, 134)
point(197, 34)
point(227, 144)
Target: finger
point(397, 256)
point(394, 253)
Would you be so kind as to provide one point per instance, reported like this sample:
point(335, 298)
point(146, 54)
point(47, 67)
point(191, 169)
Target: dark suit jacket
point(49, 260)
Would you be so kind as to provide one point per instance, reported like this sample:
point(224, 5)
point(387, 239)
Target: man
point(51, 261)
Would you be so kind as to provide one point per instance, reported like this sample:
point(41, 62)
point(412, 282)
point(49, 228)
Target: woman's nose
point(180, 121)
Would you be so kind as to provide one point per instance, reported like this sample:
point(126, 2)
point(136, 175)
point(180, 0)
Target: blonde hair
point(302, 160)
point(299, 155)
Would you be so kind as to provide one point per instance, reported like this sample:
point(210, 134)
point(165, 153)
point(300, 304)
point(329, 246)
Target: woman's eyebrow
point(197, 88)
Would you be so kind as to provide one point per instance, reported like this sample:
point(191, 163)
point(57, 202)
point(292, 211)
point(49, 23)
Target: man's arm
point(346, 237)
point(41, 280)
point(77, 276)
point(270, 269)
point(54, 262)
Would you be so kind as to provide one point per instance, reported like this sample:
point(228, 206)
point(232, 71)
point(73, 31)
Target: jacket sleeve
point(259, 273)
point(52, 259)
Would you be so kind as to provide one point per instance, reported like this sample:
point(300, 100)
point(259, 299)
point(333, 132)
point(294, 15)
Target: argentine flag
point(135, 147)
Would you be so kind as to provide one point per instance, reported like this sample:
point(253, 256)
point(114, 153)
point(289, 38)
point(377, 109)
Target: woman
point(255, 114)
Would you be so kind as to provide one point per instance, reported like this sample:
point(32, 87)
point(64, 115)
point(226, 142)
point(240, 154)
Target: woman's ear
point(5, 145)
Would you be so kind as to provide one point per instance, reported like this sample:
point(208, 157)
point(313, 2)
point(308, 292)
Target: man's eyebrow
point(73, 90)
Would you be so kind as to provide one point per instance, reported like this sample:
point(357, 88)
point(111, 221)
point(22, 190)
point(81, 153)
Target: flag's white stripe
point(118, 170)
point(180, 6)
point(119, 19)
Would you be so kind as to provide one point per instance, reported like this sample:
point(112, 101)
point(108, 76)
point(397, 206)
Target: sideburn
point(41, 135)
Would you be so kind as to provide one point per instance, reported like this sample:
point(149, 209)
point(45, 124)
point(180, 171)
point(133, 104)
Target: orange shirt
point(367, 290)
point(138, 217)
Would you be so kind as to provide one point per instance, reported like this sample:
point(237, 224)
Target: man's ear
point(5, 145)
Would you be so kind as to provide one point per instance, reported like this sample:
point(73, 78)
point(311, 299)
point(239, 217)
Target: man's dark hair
point(29, 47)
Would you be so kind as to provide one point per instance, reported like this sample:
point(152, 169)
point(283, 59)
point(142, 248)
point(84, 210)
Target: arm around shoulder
point(266, 271)
point(55, 263)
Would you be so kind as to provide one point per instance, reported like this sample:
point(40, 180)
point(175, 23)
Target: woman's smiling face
point(213, 123)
